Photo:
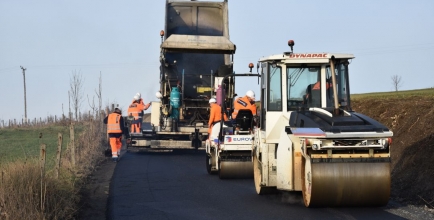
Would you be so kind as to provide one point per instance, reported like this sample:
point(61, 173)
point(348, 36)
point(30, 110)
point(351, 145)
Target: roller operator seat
point(243, 121)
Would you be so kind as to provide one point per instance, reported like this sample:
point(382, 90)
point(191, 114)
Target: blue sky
point(120, 40)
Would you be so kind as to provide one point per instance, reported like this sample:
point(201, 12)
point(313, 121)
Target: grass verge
point(29, 192)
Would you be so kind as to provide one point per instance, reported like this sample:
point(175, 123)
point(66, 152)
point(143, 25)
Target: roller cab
point(309, 139)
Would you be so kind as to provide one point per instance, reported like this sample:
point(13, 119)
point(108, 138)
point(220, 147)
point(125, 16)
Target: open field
point(426, 93)
point(24, 142)
point(30, 190)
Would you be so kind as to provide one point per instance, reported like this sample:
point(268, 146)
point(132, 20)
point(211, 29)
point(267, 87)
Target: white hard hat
point(139, 95)
point(212, 100)
point(136, 97)
point(250, 94)
point(158, 94)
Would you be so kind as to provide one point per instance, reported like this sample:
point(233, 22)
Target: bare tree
point(396, 82)
point(96, 110)
point(69, 106)
point(99, 95)
point(76, 91)
point(100, 110)
point(92, 105)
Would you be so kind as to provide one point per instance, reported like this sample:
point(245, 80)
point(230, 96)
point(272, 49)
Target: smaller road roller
point(229, 146)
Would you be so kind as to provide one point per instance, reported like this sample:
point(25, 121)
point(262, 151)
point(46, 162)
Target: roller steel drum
point(235, 169)
point(346, 184)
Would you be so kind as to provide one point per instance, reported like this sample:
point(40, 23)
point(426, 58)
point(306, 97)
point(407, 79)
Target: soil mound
point(412, 150)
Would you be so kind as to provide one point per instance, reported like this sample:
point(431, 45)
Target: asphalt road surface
point(175, 185)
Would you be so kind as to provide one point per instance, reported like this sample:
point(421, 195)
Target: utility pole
point(25, 101)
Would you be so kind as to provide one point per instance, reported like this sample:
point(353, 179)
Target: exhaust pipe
point(335, 92)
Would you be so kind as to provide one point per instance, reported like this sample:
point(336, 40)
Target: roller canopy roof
point(198, 44)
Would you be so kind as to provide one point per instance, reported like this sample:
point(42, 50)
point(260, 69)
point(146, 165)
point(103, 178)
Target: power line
point(117, 65)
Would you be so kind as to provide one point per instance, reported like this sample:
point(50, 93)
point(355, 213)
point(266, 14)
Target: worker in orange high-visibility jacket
point(115, 126)
point(135, 110)
point(245, 102)
point(138, 99)
point(317, 86)
point(215, 115)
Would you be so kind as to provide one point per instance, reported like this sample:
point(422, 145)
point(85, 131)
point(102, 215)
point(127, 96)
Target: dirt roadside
point(94, 194)
point(96, 191)
point(412, 150)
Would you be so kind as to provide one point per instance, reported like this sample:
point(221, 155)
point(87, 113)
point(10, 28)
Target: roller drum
point(236, 169)
point(347, 184)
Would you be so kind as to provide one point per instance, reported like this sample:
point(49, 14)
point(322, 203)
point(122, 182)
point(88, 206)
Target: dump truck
point(196, 54)
point(309, 139)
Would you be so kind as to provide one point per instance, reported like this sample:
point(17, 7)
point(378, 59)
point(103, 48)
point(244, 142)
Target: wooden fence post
point(72, 142)
point(58, 155)
point(107, 136)
point(42, 160)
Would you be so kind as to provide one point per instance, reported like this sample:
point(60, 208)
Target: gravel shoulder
point(96, 191)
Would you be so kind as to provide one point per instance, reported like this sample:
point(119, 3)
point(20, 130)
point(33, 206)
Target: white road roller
point(310, 140)
point(229, 147)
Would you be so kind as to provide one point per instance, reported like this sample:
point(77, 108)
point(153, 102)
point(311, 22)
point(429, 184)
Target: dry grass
point(24, 194)
point(28, 193)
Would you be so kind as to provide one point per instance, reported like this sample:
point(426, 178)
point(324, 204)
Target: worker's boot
point(115, 159)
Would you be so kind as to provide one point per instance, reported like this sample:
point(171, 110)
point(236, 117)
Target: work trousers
point(115, 144)
point(136, 126)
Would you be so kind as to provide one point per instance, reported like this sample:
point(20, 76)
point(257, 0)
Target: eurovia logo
point(242, 139)
point(228, 139)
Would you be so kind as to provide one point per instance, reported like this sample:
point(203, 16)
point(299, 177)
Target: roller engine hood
point(353, 122)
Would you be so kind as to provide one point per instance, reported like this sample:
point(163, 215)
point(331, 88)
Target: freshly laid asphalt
point(175, 185)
